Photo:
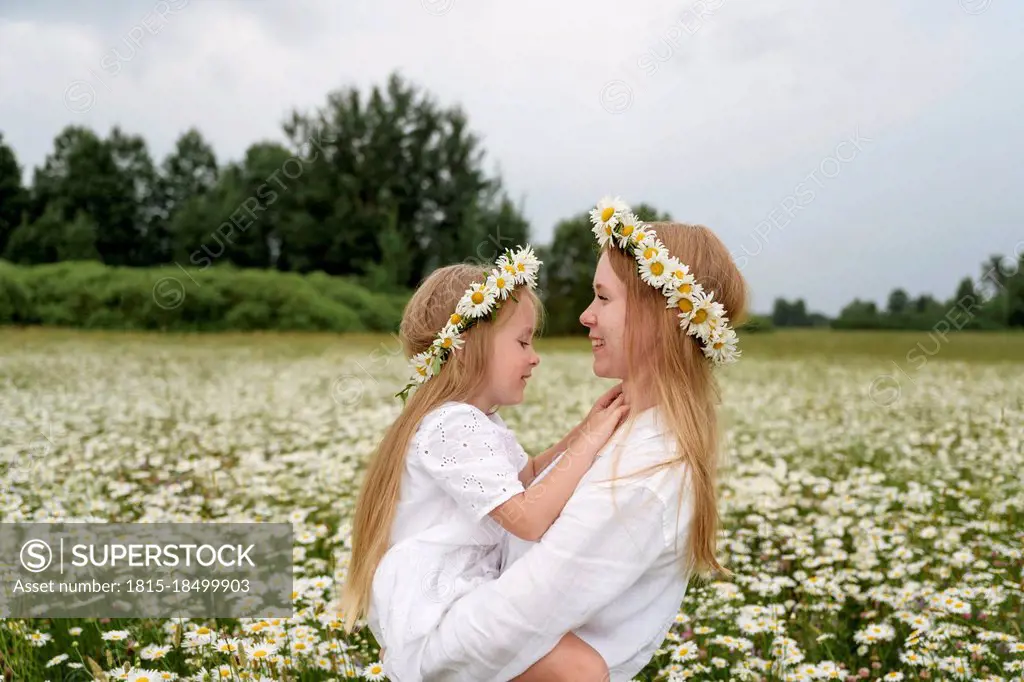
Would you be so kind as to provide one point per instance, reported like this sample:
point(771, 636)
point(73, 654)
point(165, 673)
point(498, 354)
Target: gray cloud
point(728, 106)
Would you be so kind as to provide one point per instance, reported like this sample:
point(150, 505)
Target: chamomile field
point(872, 496)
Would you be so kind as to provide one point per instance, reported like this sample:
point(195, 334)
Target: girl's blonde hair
point(461, 377)
point(677, 372)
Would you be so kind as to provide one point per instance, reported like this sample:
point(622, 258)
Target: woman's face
point(605, 317)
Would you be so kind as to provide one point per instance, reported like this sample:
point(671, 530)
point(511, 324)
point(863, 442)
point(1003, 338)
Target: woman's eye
point(602, 298)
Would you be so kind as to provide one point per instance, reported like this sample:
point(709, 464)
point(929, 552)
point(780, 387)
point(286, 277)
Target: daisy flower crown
point(699, 314)
point(481, 300)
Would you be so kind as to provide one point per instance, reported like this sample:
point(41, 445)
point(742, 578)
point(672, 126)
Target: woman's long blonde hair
point(678, 374)
point(460, 378)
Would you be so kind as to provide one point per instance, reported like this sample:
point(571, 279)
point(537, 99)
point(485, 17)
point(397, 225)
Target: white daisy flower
point(40, 638)
point(655, 272)
point(374, 671)
point(57, 660)
point(625, 232)
point(526, 265)
point(500, 283)
point(679, 277)
point(700, 320)
point(422, 366)
point(651, 251)
point(721, 347)
point(449, 339)
point(606, 216)
point(262, 651)
point(683, 299)
point(153, 652)
point(477, 302)
point(115, 635)
point(143, 675)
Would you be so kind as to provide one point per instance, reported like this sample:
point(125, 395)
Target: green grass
point(987, 347)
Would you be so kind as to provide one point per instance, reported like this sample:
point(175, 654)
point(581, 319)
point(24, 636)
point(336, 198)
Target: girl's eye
point(603, 298)
point(524, 344)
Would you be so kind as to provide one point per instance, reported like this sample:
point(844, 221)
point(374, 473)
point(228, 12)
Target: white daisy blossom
point(478, 301)
point(526, 266)
point(626, 230)
point(422, 366)
point(702, 320)
point(721, 347)
point(449, 338)
point(605, 217)
point(500, 283)
point(654, 272)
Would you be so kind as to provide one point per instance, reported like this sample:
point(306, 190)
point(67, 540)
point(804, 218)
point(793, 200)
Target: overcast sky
point(839, 149)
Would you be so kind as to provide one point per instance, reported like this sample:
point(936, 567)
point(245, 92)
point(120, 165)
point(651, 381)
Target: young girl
point(449, 481)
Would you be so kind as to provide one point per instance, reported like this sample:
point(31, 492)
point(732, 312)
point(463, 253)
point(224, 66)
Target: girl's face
point(512, 356)
point(605, 317)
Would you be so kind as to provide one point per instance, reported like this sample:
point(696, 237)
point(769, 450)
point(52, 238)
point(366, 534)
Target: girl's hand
point(602, 403)
point(602, 423)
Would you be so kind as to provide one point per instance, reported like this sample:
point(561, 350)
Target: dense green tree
point(13, 197)
point(898, 303)
point(388, 172)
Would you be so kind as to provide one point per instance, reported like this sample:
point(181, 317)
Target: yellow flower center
point(700, 316)
point(521, 267)
point(718, 345)
point(204, 630)
point(650, 252)
point(627, 230)
point(422, 370)
point(684, 288)
point(608, 230)
point(455, 318)
point(685, 305)
point(500, 282)
point(679, 273)
point(477, 298)
point(260, 653)
point(657, 269)
point(447, 343)
point(510, 269)
point(607, 213)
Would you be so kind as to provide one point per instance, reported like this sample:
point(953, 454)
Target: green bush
point(92, 295)
point(756, 324)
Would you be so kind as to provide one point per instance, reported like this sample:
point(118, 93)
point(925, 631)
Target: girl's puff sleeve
point(463, 451)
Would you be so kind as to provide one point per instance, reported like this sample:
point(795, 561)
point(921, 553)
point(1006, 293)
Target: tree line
point(994, 301)
point(377, 188)
point(385, 186)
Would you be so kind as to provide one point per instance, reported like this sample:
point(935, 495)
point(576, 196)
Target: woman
point(613, 568)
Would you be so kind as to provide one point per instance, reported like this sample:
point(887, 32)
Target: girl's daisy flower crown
point(699, 314)
point(512, 269)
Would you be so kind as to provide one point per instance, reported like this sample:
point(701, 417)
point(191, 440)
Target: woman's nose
point(587, 318)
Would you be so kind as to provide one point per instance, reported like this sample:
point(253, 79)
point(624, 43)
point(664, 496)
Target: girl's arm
point(529, 514)
point(540, 462)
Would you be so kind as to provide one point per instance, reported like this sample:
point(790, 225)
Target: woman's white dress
point(461, 464)
point(609, 569)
